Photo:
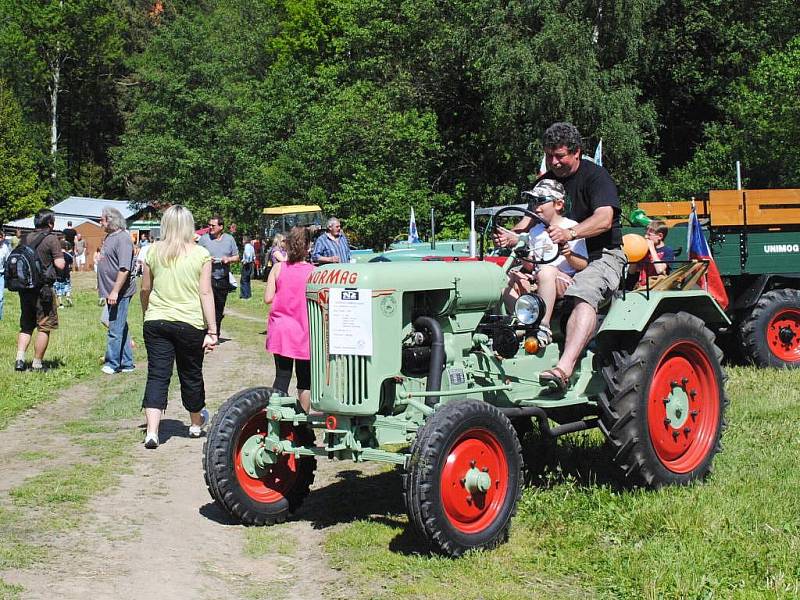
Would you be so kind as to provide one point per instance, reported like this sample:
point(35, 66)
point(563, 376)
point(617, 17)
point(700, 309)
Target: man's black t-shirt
point(69, 235)
point(587, 189)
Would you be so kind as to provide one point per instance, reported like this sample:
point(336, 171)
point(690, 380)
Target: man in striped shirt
point(331, 246)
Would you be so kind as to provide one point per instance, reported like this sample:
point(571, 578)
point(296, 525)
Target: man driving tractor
point(592, 202)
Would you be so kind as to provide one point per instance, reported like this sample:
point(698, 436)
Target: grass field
point(74, 353)
point(576, 535)
point(736, 536)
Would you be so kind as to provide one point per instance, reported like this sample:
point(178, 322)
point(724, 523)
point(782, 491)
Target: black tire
point(770, 334)
point(254, 501)
point(457, 434)
point(648, 410)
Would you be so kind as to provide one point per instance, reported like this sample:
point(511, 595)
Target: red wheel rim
point(783, 335)
point(279, 478)
point(683, 407)
point(474, 512)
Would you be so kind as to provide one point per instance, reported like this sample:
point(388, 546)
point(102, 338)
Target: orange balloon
point(635, 247)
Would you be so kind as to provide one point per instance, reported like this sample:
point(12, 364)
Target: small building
point(84, 214)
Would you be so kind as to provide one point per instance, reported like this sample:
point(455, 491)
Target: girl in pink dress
point(287, 327)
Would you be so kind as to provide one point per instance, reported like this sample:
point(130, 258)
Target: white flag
point(598, 153)
point(413, 237)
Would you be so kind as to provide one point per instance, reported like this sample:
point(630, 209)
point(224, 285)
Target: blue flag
point(413, 236)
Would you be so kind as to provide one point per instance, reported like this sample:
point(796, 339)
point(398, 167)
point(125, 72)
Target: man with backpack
point(30, 270)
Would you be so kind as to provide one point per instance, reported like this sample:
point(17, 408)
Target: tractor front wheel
point(464, 478)
point(771, 333)
point(664, 407)
point(270, 494)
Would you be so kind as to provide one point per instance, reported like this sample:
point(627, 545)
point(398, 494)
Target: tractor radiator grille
point(339, 378)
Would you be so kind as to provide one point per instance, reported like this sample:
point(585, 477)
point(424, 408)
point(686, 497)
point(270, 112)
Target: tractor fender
point(637, 310)
point(746, 297)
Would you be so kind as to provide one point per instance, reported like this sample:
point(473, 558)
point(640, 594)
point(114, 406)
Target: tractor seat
point(687, 276)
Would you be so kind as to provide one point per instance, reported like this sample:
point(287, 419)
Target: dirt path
point(158, 535)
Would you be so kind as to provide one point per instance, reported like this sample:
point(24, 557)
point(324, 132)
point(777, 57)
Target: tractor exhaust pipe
point(434, 383)
point(544, 424)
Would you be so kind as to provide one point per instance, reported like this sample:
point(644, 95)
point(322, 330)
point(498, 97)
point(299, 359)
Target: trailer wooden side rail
point(735, 208)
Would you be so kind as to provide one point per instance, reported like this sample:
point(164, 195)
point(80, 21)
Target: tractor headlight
point(529, 309)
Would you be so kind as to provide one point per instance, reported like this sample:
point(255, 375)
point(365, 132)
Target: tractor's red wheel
point(783, 335)
point(464, 477)
point(467, 511)
point(683, 413)
point(278, 479)
point(268, 495)
point(770, 334)
point(663, 411)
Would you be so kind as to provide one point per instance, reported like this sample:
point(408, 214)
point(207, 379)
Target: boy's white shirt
point(539, 241)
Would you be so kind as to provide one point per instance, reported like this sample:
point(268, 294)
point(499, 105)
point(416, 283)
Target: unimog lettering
point(781, 248)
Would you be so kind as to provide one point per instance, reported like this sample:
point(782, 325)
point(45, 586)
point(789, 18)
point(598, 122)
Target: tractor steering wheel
point(528, 213)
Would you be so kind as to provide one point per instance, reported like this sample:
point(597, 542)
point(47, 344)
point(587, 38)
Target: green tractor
point(417, 365)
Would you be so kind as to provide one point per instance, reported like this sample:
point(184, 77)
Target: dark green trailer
point(754, 237)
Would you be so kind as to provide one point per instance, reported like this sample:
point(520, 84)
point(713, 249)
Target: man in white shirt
point(248, 263)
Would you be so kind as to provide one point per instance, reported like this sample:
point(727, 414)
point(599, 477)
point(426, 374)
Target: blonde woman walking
point(179, 321)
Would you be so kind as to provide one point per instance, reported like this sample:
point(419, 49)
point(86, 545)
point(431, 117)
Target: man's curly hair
point(562, 134)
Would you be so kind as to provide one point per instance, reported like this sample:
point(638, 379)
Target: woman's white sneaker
point(195, 431)
point(151, 441)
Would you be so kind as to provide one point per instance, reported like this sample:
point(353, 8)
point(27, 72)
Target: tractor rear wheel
point(664, 407)
point(278, 490)
point(464, 478)
point(771, 333)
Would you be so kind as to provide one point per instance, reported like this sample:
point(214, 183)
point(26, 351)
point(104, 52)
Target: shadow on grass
point(378, 498)
point(55, 363)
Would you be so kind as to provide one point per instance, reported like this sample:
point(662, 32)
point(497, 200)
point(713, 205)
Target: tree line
point(369, 107)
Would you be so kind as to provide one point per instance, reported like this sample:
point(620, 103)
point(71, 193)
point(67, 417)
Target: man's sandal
point(555, 379)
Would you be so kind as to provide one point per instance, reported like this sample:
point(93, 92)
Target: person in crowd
point(37, 307)
point(117, 285)
point(287, 328)
point(331, 246)
point(63, 283)
point(248, 264)
point(16, 238)
point(659, 255)
point(5, 250)
point(277, 253)
point(258, 263)
point(70, 234)
point(179, 321)
point(224, 252)
point(594, 206)
point(80, 252)
point(546, 200)
point(144, 240)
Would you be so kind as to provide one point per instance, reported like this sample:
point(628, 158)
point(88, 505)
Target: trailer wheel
point(664, 407)
point(464, 481)
point(771, 333)
point(280, 489)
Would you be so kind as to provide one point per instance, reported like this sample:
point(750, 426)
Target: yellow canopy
point(292, 209)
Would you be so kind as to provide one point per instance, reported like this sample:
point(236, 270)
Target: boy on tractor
point(546, 200)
